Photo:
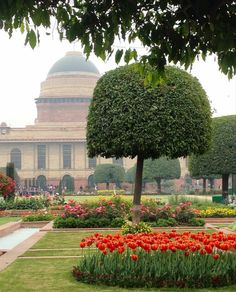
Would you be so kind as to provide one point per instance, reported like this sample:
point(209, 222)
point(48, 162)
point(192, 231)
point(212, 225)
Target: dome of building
point(72, 63)
point(66, 93)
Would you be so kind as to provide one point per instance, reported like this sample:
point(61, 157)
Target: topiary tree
point(221, 157)
point(109, 173)
point(127, 119)
point(161, 168)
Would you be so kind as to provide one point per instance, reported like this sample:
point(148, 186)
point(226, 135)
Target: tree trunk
point(225, 187)
point(137, 191)
point(107, 185)
point(204, 185)
point(158, 181)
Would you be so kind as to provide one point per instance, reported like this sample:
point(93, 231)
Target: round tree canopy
point(221, 157)
point(127, 118)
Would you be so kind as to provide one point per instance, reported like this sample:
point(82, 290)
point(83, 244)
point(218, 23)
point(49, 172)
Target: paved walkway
point(11, 255)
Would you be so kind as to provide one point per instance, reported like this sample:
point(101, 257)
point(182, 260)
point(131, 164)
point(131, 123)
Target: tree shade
point(172, 31)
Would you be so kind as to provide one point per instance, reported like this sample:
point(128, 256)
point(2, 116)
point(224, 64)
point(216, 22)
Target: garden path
point(11, 255)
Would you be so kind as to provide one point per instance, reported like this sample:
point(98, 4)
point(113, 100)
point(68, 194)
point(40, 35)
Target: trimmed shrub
point(38, 217)
point(165, 222)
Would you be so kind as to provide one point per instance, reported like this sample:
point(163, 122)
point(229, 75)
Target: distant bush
point(33, 203)
point(165, 222)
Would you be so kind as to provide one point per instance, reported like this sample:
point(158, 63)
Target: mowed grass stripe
point(50, 257)
point(59, 240)
point(30, 253)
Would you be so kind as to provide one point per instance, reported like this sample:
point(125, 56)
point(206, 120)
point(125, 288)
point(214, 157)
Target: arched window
point(41, 182)
point(92, 162)
point(68, 183)
point(118, 161)
point(16, 157)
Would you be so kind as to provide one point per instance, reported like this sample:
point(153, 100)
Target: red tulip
point(216, 256)
point(82, 244)
point(134, 257)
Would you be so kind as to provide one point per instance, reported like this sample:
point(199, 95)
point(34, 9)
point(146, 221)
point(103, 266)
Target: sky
point(23, 69)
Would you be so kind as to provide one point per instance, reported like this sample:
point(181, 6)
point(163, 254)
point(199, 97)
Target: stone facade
point(62, 108)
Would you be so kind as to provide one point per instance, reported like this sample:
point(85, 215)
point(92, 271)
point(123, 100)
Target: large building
point(54, 148)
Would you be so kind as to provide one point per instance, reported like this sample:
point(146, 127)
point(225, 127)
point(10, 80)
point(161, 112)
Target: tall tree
point(161, 168)
point(128, 119)
point(173, 31)
point(221, 157)
point(109, 173)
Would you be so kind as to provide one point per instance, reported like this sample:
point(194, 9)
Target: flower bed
point(167, 259)
point(115, 211)
point(105, 213)
point(217, 212)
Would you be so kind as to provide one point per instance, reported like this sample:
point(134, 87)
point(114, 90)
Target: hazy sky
point(23, 69)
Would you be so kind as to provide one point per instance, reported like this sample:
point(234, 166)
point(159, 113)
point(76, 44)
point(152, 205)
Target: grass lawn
point(55, 274)
point(4, 220)
point(26, 275)
point(57, 240)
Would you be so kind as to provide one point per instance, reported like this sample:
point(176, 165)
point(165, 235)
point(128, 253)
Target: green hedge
point(72, 222)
